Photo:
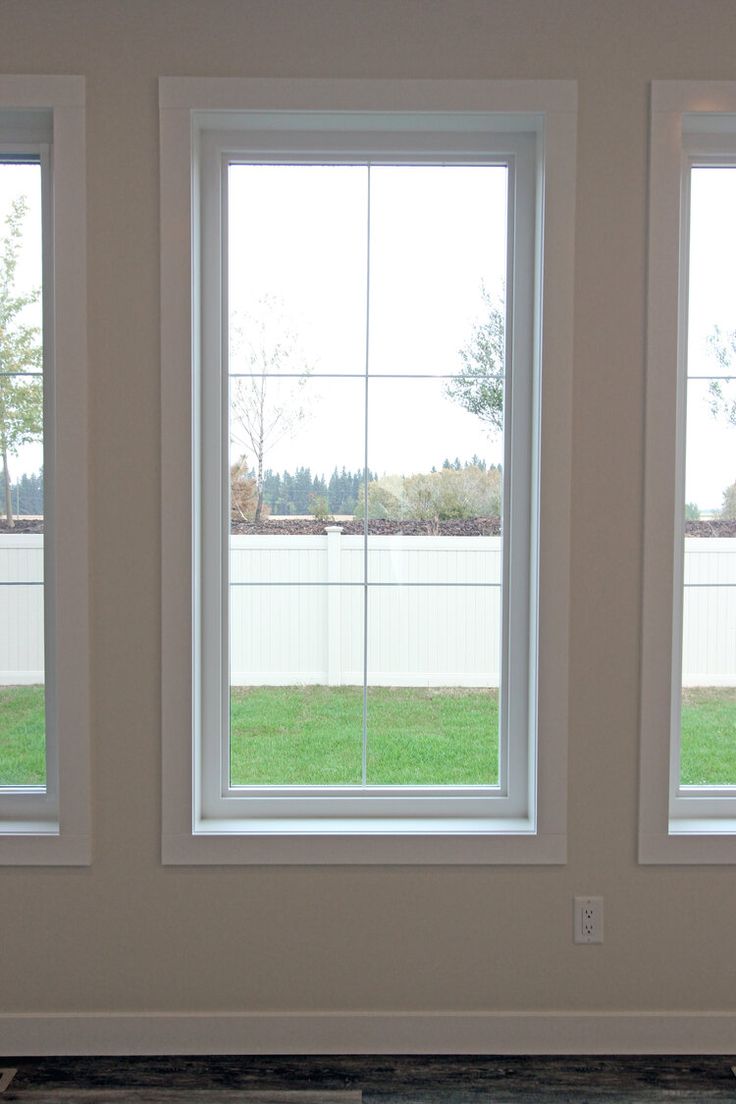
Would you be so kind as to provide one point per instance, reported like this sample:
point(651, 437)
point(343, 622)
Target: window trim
point(548, 108)
point(54, 827)
point(676, 824)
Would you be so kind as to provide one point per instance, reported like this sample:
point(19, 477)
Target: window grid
point(33, 185)
point(682, 790)
point(368, 375)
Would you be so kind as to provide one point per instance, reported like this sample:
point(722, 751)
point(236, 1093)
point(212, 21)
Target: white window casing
point(530, 126)
point(44, 117)
point(693, 123)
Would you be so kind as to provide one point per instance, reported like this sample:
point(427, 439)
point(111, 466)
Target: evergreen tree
point(26, 494)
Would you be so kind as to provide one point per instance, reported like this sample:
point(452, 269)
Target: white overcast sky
point(711, 443)
point(25, 180)
point(298, 238)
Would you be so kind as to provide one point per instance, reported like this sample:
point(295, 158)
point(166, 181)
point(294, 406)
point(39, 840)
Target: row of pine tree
point(300, 493)
point(26, 494)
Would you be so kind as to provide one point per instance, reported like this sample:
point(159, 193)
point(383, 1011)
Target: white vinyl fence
point(433, 610)
point(297, 610)
point(21, 609)
point(709, 612)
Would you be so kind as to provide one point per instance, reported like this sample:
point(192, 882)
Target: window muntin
point(371, 264)
point(28, 767)
point(501, 181)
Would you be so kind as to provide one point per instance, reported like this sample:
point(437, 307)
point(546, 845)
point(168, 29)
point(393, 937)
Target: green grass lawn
point(708, 755)
point(312, 734)
point(22, 745)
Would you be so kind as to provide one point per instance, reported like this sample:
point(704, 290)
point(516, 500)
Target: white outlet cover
point(588, 920)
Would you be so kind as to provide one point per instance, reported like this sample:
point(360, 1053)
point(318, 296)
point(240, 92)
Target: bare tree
point(267, 388)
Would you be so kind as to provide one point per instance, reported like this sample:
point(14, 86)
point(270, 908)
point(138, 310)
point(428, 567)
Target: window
point(688, 775)
point(370, 512)
point(44, 814)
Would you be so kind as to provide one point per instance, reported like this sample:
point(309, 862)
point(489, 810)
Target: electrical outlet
point(588, 926)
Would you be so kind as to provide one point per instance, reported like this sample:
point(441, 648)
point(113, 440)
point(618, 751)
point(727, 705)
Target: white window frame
point(691, 123)
point(201, 824)
point(51, 825)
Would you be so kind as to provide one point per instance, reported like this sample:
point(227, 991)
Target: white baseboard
point(70, 1033)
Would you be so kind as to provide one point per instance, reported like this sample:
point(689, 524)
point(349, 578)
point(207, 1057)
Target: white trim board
point(555, 1033)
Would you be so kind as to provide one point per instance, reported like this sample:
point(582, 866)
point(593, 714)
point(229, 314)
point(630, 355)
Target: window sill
point(378, 841)
point(691, 841)
point(42, 843)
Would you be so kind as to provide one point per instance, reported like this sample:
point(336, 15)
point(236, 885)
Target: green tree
point(722, 398)
point(728, 509)
point(721, 395)
point(21, 397)
point(384, 498)
point(692, 511)
point(443, 495)
point(319, 506)
point(479, 385)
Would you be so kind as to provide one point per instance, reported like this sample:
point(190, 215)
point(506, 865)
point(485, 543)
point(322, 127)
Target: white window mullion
point(366, 458)
point(50, 584)
point(212, 423)
point(514, 760)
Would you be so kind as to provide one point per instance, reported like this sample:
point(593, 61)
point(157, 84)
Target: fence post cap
point(333, 528)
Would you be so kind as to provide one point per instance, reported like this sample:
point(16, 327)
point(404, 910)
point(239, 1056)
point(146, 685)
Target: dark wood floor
point(370, 1080)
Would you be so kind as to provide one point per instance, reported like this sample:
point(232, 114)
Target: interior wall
point(127, 934)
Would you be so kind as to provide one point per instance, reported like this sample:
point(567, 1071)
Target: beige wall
point(128, 934)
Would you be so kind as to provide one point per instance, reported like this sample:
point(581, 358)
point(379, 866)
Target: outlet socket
point(588, 920)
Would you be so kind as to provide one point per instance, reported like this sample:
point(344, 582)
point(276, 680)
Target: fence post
point(334, 603)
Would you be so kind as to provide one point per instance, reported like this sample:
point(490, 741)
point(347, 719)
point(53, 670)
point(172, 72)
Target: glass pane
point(296, 674)
point(438, 264)
point(297, 244)
point(296, 452)
point(22, 706)
point(298, 261)
point(708, 714)
point(436, 487)
point(433, 674)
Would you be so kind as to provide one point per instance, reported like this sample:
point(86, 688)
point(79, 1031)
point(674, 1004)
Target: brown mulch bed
point(717, 527)
point(22, 525)
point(465, 527)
